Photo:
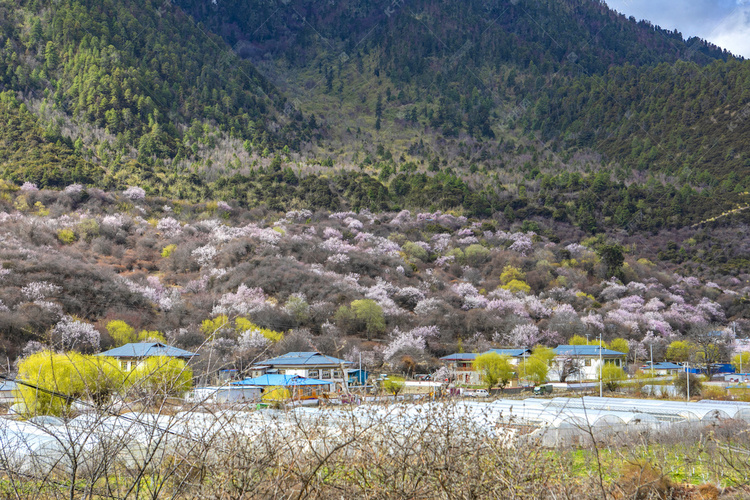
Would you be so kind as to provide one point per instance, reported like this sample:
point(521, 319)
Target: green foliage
point(681, 381)
point(364, 314)
point(476, 254)
point(741, 362)
point(578, 340)
point(393, 385)
point(495, 369)
point(612, 375)
point(67, 376)
point(415, 251)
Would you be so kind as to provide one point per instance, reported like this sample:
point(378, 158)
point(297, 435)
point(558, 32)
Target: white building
point(582, 362)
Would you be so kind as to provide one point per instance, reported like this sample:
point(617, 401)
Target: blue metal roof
point(461, 356)
point(666, 365)
point(282, 380)
point(304, 359)
point(513, 353)
point(146, 350)
point(584, 350)
point(8, 385)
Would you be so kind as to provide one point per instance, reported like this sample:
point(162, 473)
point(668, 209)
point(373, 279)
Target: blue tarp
point(282, 380)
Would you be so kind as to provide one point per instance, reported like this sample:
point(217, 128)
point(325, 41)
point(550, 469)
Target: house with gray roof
point(130, 355)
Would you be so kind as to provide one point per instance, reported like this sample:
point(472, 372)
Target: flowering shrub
point(134, 193)
point(39, 290)
point(29, 187)
point(339, 258)
point(75, 334)
point(74, 189)
point(244, 302)
point(169, 227)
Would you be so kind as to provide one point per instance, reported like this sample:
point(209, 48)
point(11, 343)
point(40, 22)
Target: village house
point(663, 368)
point(312, 365)
point(581, 362)
point(461, 364)
point(130, 355)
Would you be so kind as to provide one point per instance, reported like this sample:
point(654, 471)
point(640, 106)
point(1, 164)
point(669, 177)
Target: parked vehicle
point(479, 393)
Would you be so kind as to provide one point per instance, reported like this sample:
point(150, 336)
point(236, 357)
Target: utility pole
point(601, 382)
point(687, 379)
point(652, 357)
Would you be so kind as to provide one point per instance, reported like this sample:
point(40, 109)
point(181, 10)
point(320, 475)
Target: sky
point(723, 22)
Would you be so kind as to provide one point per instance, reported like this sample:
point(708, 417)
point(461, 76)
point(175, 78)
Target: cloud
point(723, 22)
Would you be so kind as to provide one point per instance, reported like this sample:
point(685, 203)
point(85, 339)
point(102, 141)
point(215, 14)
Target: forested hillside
point(551, 112)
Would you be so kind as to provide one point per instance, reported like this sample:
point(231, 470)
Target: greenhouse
point(93, 441)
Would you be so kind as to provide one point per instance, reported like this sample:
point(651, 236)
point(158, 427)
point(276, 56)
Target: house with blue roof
point(663, 368)
point(130, 355)
point(582, 362)
point(461, 364)
point(307, 364)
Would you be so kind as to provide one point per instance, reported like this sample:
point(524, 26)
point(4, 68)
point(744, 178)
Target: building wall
point(588, 368)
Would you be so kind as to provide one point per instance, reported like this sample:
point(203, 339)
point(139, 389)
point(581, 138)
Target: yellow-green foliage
point(585, 295)
point(679, 351)
point(512, 279)
point(511, 273)
point(161, 376)
point(393, 385)
point(167, 250)
point(66, 236)
point(243, 324)
point(213, 326)
point(536, 366)
point(619, 344)
point(276, 393)
point(151, 336)
point(741, 362)
point(612, 375)
point(494, 368)
point(121, 332)
point(40, 209)
point(578, 340)
point(70, 374)
point(517, 286)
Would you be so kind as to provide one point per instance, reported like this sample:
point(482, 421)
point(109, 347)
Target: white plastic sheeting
point(92, 441)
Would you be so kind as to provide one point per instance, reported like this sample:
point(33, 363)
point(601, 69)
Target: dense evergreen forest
point(552, 112)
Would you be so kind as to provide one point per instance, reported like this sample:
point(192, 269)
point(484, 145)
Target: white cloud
point(723, 22)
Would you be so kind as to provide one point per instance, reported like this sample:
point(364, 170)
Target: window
point(313, 373)
point(336, 373)
point(587, 362)
point(326, 374)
